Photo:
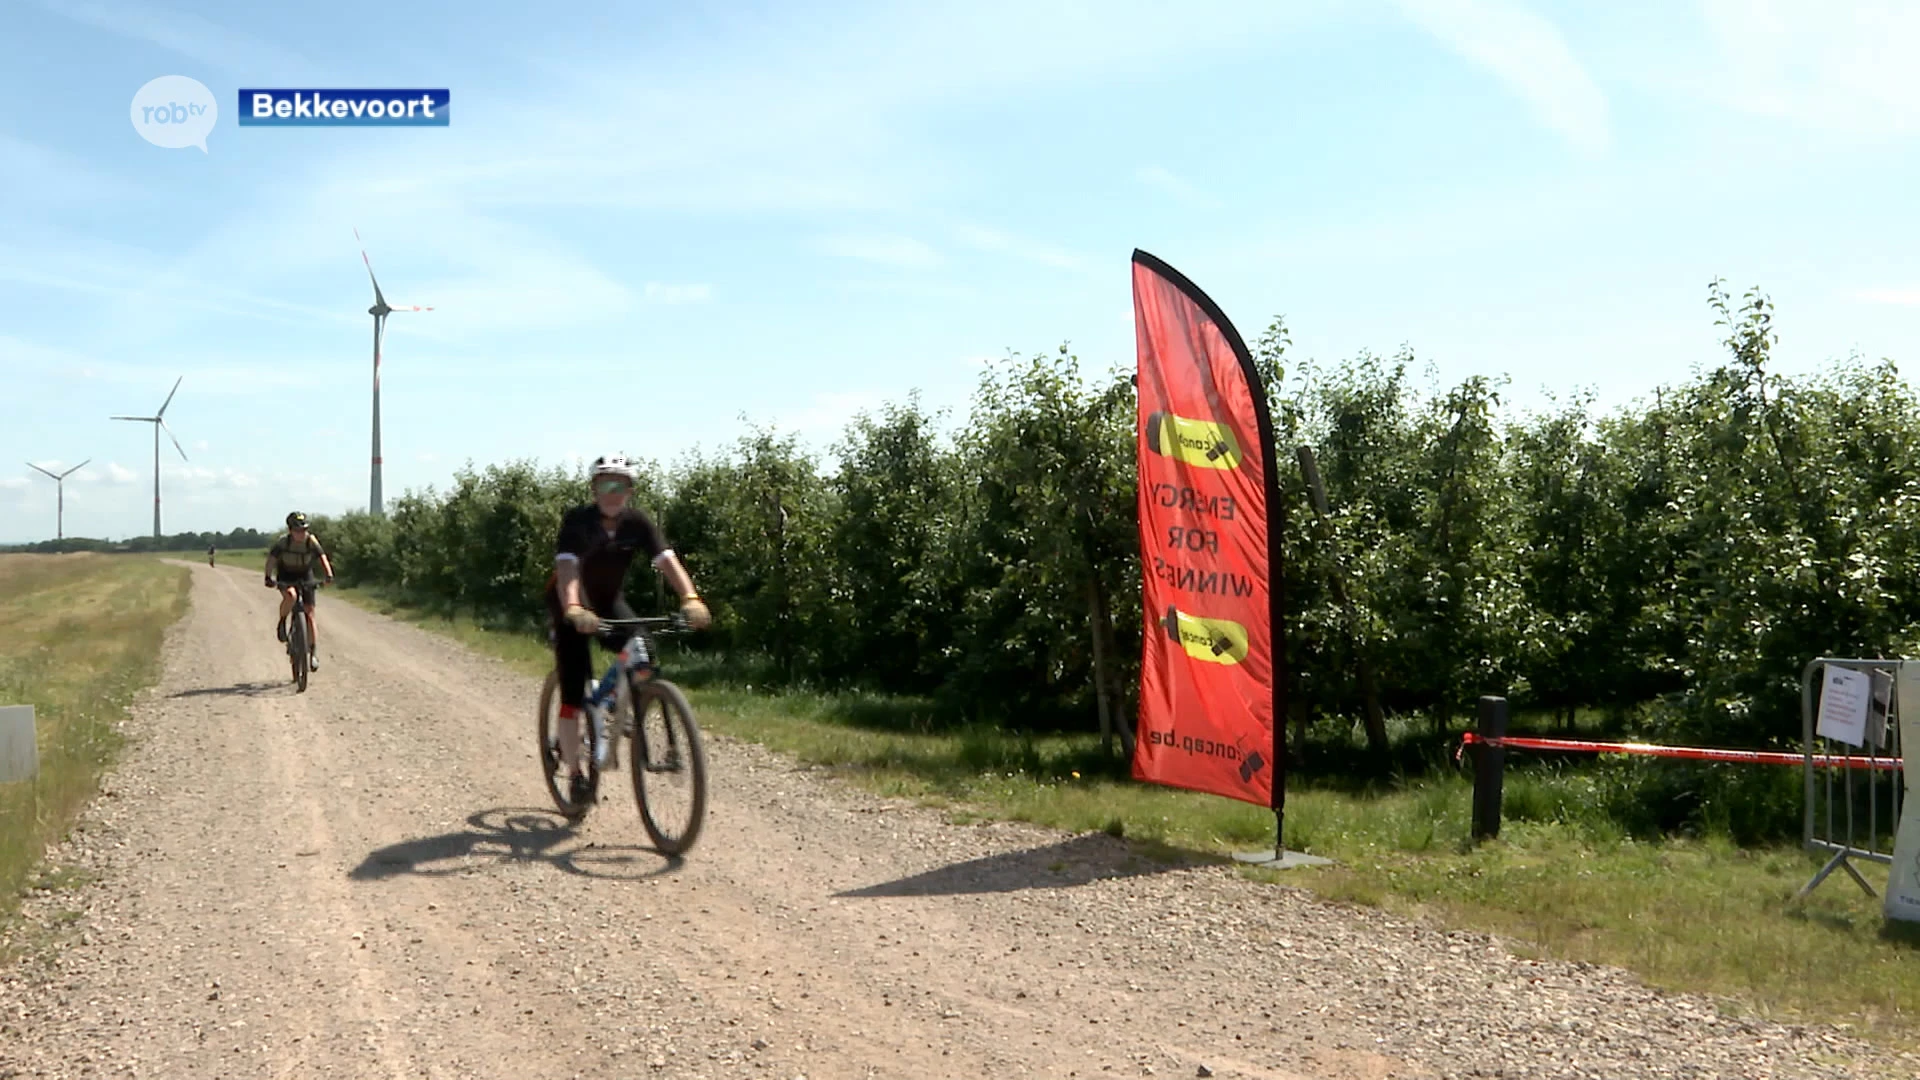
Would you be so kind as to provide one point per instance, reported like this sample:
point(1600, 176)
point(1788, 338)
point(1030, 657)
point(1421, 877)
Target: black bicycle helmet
point(296, 520)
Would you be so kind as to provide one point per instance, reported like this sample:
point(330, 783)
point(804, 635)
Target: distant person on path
point(209, 554)
point(290, 563)
point(597, 543)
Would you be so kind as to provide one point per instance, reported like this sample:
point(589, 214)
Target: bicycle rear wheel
point(669, 766)
point(297, 651)
point(552, 768)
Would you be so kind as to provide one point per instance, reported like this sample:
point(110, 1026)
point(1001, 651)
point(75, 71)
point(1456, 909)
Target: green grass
point(79, 635)
point(247, 558)
point(1564, 880)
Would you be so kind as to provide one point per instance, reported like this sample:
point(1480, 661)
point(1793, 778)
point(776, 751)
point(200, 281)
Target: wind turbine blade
point(145, 419)
point(416, 308)
point(75, 469)
point(379, 299)
point(169, 401)
point(176, 442)
point(37, 468)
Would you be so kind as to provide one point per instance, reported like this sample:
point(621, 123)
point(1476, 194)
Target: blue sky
point(647, 221)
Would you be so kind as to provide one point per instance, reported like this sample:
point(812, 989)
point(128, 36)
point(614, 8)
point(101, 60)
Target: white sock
point(570, 741)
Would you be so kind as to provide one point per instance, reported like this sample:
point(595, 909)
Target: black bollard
point(1489, 768)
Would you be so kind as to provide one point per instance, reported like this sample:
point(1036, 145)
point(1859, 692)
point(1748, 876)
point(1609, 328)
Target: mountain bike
point(631, 700)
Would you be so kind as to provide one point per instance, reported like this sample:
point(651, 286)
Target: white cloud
point(660, 293)
point(147, 290)
point(1902, 297)
point(1836, 67)
point(902, 251)
point(1155, 176)
point(39, 174)
point(1528, 53)
point(924, 290)
point(238, 378)
point(192, 36)
point(984, 239)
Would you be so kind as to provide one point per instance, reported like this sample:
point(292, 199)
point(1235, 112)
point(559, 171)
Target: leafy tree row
point(183, 541)
point(1676, 562)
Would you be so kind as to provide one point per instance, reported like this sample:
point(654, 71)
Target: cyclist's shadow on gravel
point(514, 835)
point(245, 689)
point(1081, 860)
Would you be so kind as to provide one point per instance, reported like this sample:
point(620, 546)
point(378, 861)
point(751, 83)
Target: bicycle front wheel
point(669, 766)
point(297, 649)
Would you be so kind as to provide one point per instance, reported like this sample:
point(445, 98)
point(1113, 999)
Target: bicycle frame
point(622, 664)
point(599, 699)
point(301, 608)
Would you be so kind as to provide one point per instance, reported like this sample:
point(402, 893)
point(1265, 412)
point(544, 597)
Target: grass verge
point(79, 636)
point(1563, 881)
point(246, 558)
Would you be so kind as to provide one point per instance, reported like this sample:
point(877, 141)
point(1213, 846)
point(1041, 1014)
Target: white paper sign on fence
point(1843, 705)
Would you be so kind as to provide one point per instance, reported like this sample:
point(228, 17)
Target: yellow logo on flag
point(1206, 444)
point(1202, 443)
point(1217, 641)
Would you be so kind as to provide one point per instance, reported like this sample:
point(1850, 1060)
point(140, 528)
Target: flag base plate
point(1282, 860)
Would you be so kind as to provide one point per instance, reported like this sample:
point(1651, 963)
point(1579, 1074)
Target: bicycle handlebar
point(668, 623)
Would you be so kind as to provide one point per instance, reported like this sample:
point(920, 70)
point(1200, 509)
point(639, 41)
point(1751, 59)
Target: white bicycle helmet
point(614, 465)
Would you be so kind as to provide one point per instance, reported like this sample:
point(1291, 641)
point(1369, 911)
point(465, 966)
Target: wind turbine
point(158, 423)
point(60, 488)
point(380, 310)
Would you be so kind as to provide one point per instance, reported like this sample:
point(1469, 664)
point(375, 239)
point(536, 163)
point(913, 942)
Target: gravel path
point(366, 880)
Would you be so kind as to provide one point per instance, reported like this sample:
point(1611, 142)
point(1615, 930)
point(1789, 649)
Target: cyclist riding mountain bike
point(597, 544)
point(290, 563)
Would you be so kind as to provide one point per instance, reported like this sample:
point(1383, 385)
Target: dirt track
point(366, 880)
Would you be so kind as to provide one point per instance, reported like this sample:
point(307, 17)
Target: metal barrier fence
point(1853, 796)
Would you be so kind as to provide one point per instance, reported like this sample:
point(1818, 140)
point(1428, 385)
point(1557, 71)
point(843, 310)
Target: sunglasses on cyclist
point(608, 487)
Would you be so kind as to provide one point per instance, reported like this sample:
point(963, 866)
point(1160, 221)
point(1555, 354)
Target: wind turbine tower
point(60, 491)
point(380, 310)
point(159, 424)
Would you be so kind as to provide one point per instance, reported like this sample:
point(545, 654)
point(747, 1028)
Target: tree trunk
point(1376, 717)
point(1298, 750)
point(1096, 619)
point(1107, 680)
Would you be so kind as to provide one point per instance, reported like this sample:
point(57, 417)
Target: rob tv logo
point(175, 112)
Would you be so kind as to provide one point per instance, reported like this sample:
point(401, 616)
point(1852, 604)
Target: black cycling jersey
point(605, 555)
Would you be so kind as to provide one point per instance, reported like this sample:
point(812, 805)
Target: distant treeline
point(1675, 563)
point(185, 541)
